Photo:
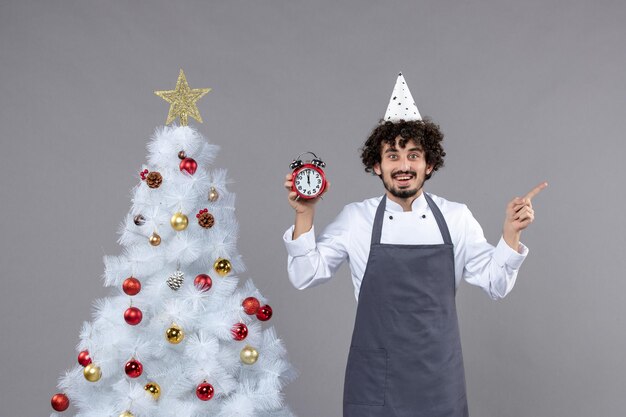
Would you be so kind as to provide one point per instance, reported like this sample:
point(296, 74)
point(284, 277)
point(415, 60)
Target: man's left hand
point(519, 214)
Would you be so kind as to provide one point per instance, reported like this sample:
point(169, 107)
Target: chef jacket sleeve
point(312, 261)
point(494, 269)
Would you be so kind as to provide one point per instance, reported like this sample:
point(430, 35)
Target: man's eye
point(414, 156)
point(391, 156)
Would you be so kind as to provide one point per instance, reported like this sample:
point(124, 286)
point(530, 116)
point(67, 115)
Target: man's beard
point(401, 193)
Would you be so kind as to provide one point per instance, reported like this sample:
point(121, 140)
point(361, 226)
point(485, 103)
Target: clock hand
point(308, 178)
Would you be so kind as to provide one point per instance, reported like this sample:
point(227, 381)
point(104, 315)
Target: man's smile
point(403, 178)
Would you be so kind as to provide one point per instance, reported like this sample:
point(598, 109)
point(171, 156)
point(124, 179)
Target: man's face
point(403, 170)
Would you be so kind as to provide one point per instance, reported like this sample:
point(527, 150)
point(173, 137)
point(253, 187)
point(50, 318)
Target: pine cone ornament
point(175, 281)
point(154, 179)
point(205, 219)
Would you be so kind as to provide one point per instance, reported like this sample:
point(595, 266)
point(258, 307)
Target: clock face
point(308, 182)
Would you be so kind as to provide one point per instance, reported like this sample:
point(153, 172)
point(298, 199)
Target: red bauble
point(205, 391)
point(250, 305)
point(60, 402)
point(83, 358)
point(189, 165)
point(133, 316)
point(131, 286)
point(264, 313)
point(203, 282)
point(133, 368)
point(239, 331)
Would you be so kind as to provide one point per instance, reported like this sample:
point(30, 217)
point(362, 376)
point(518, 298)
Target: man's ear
point(429, 169)
point(376, 168)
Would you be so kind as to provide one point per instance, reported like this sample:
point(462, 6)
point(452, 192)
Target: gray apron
point(405, 359)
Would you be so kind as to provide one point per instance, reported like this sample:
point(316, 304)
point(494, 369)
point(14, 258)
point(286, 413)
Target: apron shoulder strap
point(441, 222)
point(378, 221)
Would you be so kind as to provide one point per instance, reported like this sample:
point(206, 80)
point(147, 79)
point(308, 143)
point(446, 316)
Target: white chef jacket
point(314, 261)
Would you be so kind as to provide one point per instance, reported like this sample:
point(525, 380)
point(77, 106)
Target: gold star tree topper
point(182, 100)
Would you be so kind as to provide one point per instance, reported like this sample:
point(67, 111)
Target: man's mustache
point(396, 173)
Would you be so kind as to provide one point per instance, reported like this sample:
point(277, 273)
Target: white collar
point(418, 205)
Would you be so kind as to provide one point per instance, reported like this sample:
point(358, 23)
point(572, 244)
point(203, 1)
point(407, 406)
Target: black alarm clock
point(308, 178)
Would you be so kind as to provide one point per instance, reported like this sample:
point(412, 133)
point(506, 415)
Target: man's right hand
point(304, 207)
point(301, 205)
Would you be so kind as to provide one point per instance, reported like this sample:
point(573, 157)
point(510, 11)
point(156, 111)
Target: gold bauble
point(249, 355)
point(175, 334)
point(92, 372)
point(155, 239)
point(179, 221)
point(153, 389)
point(222, 266)
point(213, 194)
point(127, 414)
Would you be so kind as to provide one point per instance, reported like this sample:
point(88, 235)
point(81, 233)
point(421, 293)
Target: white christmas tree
point(178, 336)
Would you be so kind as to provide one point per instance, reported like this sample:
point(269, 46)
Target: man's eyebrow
point(415, 148)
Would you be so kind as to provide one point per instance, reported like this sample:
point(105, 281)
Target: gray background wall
point(524, 90)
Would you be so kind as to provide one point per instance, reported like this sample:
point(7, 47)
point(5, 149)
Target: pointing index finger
point(532, 193)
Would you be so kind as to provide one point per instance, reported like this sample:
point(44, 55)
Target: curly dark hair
point(424, 132)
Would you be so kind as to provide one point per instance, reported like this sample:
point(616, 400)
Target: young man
point(408, 251)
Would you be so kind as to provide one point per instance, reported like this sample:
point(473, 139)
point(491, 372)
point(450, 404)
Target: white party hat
point(401, 105)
